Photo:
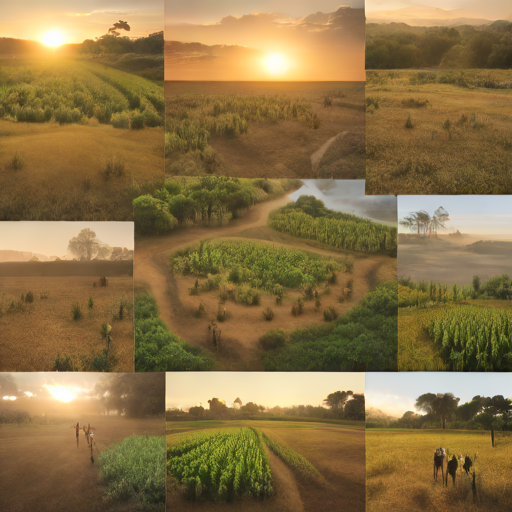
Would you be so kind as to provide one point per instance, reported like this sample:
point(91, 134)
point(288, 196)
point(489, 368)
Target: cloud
point(113, 13)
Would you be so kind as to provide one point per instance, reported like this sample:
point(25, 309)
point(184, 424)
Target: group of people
point(87, 432)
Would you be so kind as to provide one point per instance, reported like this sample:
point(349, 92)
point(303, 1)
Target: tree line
point(400, 46)
point(340, 405)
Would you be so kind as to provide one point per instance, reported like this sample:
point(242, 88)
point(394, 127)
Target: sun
point(53, 38)
point(60, 393)
point(277, 64)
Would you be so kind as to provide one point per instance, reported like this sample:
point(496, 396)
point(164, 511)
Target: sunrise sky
point(78, 20)
point(264, 40)
point(446, 9)
point(187, 389)
point(52, 238)
point(396, 393)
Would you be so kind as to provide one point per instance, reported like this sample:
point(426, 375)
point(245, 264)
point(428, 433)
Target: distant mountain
point(490, 247)
point(427, 17)
point(8, 255)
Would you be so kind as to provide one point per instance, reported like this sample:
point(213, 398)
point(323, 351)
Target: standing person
point(77, 428)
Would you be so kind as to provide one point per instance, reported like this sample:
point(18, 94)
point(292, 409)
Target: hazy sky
point(396, 393)
point(52, 238)
point(264, 40)
point(348, 196)
point(80, 19)
point(187, 389)
point(491, 9)
point(477, 215)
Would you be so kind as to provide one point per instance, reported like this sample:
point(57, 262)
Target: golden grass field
point(337, 452)
point(285, 149)
point(470, 158)
point(30, 340)
point(62, 179)
point(399, 471)
point(416, 350)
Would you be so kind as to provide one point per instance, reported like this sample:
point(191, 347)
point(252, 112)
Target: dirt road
point(42, 469)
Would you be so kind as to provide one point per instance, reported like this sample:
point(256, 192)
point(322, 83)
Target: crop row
point(262, 265)
point(474, 338)
point(221, 465)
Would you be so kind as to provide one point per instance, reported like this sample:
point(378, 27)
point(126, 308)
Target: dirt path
point(316, 157)
point(151, 265)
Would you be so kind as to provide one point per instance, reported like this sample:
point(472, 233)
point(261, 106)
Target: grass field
point(458, 141)
point(51, 474)
point(265, 129)
point(34, 333)
point(335, 452)
point(61, 124)
point(400, 471)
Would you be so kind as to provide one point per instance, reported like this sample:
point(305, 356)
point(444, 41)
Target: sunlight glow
point(60, 393)
point(53, 38)
point(277, 64)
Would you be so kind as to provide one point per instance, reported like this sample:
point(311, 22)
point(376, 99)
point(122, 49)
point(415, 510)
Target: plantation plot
point(79, 139)
point(400, 471)
point(236, 294)
point(438, 132)
point(263, 465)
point(278, 130)
point(65, 323)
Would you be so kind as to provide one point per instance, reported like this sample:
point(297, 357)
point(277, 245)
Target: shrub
point(222, 314)
point(273, 339)
point(121, 120)
point(333, 278)
point(16, 163)
point(268, 314)
point(114, 167)
point(76, 311)
point(408, 123)
point(137, 121)
point(90, 304)
point(200, 311)
point(63, 364)
point(103, 281)
point(44, 295)
point(29, 297)
point(152, 216)
point(412, 103)
point(330, 314)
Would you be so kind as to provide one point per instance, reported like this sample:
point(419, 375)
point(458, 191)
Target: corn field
point(192, 119)
point(260, 265)
point(75, 91)
point(474, 338)
point(221, 465)
point(354, 235)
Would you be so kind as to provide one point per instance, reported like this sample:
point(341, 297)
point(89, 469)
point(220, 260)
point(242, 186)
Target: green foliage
point(17, 163)
point(473, 338)
point(412, 103)
point(76, 311)
point(260, 265)
point(268, 314)
point(221, 465)
point(29, 297)
point(298, 464)
point(273, 339)
point(365, 339)
point(90, 303)
point(311, 220)
point(133, 470)
point(114, 167)
point(152, 216)
point(63, 363)
point(330, 314)
point(159, 350)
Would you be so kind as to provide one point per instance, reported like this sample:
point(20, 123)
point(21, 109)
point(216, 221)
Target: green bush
point(76, 311)
point(152, 216)
point(273, 339)
point(137, 121)
point(268, 314)
point(121, 120)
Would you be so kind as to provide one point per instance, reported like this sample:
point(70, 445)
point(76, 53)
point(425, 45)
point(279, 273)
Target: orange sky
point(318, 47)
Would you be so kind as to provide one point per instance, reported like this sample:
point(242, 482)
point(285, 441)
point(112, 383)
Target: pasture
point(78, 139)
point(51, 474)
point(399, 474)
point(44, 317)
point(265, 129)
point(438, 132)
point(305, 466)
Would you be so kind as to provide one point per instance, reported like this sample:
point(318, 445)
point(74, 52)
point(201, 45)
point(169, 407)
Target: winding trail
point(316, 157)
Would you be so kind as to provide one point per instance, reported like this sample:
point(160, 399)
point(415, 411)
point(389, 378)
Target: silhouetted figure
point(467, 465)
point(451, 468)
point(439, 462)
point(77, 428)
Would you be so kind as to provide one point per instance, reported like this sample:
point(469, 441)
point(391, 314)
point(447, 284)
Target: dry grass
point(470, 158)
point(62, 179)
point(399, 471)
point(284, 149)
point(31, 339)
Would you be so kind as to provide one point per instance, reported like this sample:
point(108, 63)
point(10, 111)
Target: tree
point(86, 246)
point(355, 409)
point(197, 411)
point(438, 219)
point(336, 401)
point(442, 405)
point(495, 409)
